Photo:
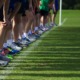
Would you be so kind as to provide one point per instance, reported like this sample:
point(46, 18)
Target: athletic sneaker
point(51, 24)
point(32, 39)
point(3, 63)
point(12, 50)
point(9, 56)
point(40, 28)
point(4, 51)
point(26, 41)
point(21, 44)
point(15, 47)
point(55, 24)
point(48, 27)
point(45, 28)
point(4, 58)
point(40, 32)
point(34, 36)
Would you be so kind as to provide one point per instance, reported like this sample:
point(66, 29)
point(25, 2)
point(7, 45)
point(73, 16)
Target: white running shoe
point(25, 41)
point(44, 28)
point(32, 39)
point(40, 32)
point(3, 63)
point(15, 47)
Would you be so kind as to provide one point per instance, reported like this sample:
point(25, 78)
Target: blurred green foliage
point(71, 4)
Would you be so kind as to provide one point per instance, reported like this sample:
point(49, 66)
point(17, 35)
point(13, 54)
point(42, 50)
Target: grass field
point(55, 56)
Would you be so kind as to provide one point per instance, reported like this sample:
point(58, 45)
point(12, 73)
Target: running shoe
point(41, 28)
point(21, 44)
point(9, 56)
point(15, 47)
point(55, 24)
point(34, 36)
point(4, 51)
point(12, 50)
point(3, 63)
point(51, 24)
point(26, 41)
point(4, 58)
point(40, 32)
point(45, 28)
point(32, 39)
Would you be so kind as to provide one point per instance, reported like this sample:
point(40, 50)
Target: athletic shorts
point(12, 6)
point(27, 5)
point(56, 7)
point(37, 11)
point(44, 13)
point(23, 8)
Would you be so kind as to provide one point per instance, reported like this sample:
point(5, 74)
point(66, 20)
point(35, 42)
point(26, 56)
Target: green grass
point(55, 56)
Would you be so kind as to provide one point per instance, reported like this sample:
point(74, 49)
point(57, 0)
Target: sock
point(20, 37)
point(36, 28)
point(24, 35)
point(41, 24)
point(9, 42)
point(5, 45)
point(27, 35)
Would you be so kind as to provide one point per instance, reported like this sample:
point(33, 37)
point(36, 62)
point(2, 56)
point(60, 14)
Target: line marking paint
point(63, 22)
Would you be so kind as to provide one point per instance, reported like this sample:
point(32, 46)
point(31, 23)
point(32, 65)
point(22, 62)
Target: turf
point(55, 56)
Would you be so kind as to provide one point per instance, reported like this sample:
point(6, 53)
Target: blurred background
point(71, 4)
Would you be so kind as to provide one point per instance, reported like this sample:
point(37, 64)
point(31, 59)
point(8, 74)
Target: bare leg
point(30, 20)
point(54, 17)
point(33, 24)
point(16, 26)
point(3, 30)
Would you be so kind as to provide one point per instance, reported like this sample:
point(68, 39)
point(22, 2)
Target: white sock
point(5, 45)
point(41, 24)
point(27, 35)
point(24, 35)
point(20, 37)
point(9, 42)
point(36, 28)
